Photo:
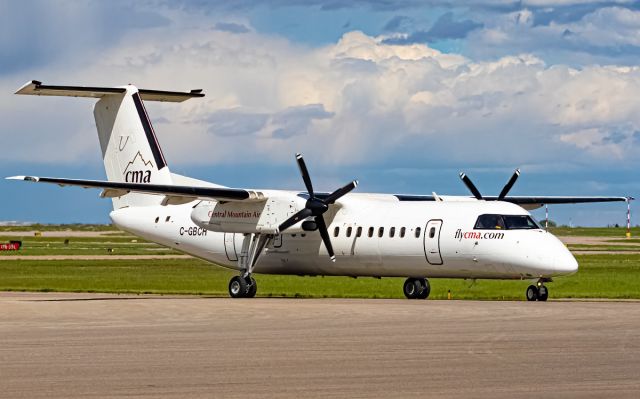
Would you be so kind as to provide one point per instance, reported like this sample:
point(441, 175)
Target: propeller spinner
point(316, 207)
point(505, 190)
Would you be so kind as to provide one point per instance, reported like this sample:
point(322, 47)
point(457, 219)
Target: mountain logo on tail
point(138, 170)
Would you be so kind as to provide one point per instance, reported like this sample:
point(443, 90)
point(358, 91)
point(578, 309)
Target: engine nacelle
point(247, 217)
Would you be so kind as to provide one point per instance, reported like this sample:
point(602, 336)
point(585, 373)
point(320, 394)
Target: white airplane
point(311, 233)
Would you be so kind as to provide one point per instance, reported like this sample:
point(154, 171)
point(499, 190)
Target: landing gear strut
point(538, 292)
point(416, 288)
point(244, 285)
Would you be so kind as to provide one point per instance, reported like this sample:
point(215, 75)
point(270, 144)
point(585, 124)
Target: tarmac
point(96, 345)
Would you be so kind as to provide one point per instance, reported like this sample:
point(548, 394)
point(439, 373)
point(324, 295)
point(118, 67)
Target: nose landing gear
point(416, 288)
point(538, 292)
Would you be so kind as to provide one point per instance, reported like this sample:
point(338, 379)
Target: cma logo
point(138, 170)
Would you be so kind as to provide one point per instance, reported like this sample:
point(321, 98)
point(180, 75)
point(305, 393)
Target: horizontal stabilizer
point(175, 194)
point(38, 89)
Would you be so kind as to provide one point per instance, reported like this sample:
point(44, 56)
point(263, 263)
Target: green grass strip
point(600, 276)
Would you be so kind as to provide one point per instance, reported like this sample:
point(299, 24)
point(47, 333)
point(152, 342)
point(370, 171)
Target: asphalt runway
point(85, 345)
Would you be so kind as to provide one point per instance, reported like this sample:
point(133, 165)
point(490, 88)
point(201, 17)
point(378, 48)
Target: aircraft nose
point(565, 263)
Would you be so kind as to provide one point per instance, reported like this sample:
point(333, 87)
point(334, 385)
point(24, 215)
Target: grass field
point(60, 227)
point(600, 275)
point(618, 232)
point(113, 245)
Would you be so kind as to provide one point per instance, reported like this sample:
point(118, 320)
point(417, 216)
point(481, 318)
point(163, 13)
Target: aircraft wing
point(174, 195)
point(527, 202)
point(541, 200)
point(523, 200)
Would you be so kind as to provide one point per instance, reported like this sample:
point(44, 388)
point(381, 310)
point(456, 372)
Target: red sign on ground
point(11, 246)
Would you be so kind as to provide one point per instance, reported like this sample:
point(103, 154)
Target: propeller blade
point(322, 228)
point(509, 184)
point(334, 196)
point(298, 216)
point(470, 186)
point(305, 174)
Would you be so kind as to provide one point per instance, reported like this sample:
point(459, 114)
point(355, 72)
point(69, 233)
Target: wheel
point(237, 287)
point(253, 289)
point(412, 288)
point(425, 288)
point(543, 293)
point(532, 293)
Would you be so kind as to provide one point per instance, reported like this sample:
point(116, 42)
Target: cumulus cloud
point(352, 101)
point(584, 34)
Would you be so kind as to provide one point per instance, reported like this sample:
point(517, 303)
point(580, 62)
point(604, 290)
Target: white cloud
point(354, 101)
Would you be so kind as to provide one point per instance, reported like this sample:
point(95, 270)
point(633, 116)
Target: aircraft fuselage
point(378, 237)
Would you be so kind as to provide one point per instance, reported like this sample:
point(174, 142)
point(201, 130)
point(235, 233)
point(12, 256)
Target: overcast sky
point(399, 94)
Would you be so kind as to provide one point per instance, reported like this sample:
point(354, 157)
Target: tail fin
point(130, 149)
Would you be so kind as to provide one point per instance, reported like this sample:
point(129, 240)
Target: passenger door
point(432, 242)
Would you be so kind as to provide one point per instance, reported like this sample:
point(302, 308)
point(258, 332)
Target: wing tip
point(25, 178)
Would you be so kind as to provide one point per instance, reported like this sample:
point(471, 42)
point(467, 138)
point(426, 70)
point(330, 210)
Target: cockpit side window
point(520, 222)
point(505, 222)
point(489, 222)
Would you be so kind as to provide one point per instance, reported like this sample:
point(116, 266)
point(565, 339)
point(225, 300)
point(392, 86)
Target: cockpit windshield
point(505, 222)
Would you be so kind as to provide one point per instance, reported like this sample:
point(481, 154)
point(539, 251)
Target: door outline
point(436, 257)
point(230, 247)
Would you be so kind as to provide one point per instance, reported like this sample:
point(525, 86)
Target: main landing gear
point(538, 292)
point(241, 287)
point(416, 288)
point(244, 285)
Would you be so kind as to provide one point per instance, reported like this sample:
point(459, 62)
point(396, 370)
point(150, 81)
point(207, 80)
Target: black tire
point(532, 293)
point(253, 289)
point(543, 293)
point(237, 287)
point(411, 288)
point(425, 288)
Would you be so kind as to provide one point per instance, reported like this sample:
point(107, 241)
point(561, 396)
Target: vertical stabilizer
point(130, 149)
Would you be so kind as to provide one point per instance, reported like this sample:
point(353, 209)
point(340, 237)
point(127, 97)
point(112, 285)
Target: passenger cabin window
point(167, 219)
point(380, 232)
point(418, 230)
point(432, 232)
point(392, 232)
point(349, 229)
point(402, 231)
point(370, 234)
point(157, 219)
point(336, 231)
point(359, 231)
point(505, 222)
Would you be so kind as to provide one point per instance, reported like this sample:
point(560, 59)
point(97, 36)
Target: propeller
point(505, 190)
point(316, 207)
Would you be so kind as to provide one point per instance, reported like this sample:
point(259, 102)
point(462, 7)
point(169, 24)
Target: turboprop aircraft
point(309, 232)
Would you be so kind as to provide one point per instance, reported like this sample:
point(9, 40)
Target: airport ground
point(99, 345)
point(72, 344)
